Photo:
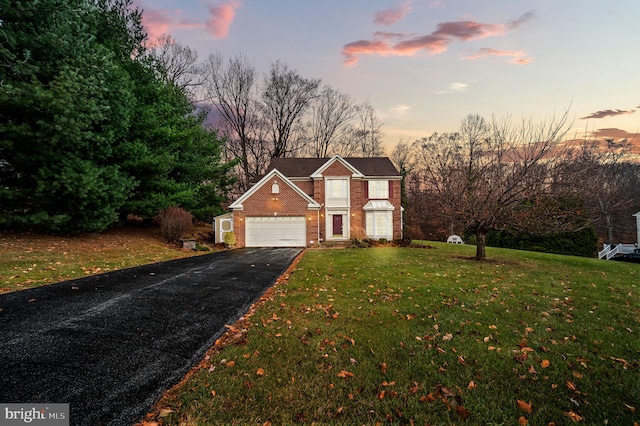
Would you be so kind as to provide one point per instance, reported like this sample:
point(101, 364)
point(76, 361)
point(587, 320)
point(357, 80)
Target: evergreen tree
point(87, 129)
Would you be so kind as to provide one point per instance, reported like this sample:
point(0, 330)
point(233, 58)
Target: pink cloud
point(392, 15)
point(387, 36)
point(468, 30)
point(161, 21)
point(434, 43)
point(364, 47)
point(157, 21)
point(221, 18)
point(518, 57)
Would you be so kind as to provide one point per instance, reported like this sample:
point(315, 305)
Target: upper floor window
point(378, 189)
point(275, 188)
point(337, 192)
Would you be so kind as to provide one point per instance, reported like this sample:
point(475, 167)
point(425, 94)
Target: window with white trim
point(379, 224)
point(337, 193)
point(378, 189)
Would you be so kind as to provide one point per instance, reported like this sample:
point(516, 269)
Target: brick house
point(302, 201)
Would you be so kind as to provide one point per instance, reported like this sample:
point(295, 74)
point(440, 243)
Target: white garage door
point(285, 231)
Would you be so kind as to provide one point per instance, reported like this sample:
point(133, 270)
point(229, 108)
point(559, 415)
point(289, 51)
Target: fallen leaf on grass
point(462, 411)
point(545, 363)
point(525, 407)
point(522, 421)
point(230, 363)
point(260, 372)
point(471, 385)
point(344, 374)
point(428, 398)
point(632, 409)
point(383, 367)
point(574, 417)
point(165, 412)
point(571, 386)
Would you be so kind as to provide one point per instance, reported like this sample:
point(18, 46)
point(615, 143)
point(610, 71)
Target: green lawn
point(428, 336)
point(33, 260)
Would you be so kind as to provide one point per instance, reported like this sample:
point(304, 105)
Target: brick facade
point(289, 202)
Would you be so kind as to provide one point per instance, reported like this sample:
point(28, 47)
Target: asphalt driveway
point(111, 344)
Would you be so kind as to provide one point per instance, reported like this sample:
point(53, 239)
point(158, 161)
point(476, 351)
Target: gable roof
point(305, 167)
point(237, 205)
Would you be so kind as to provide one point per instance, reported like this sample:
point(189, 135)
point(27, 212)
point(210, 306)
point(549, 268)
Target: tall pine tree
point(87, 130)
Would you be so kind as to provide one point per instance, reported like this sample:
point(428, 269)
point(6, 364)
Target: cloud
point(387, 36)
point(160, 21)
point(392, 15)
point(222, 17)
point(400, 109)
point(434, 43)
point(607, 113)
point(352, 50)
point(516, 23)
point(614, 133)
point(454, 88)
point(518, 57)
point(467, 30)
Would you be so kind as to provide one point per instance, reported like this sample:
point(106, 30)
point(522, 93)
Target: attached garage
point(276, 231)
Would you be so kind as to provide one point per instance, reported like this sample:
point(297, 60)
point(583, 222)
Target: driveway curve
point(111, 344)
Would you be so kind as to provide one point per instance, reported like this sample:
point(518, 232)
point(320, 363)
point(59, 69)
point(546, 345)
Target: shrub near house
point(302, 201)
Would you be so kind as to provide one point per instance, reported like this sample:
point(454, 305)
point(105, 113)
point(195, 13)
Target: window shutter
point(366, 189)
point(390, 189)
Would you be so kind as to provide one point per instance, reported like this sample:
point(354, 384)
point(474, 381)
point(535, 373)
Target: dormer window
point(275, 188)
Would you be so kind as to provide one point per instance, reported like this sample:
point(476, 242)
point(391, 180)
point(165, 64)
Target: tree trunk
point(609, 229)
point(481, 239)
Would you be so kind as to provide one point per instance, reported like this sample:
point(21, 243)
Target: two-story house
point(302, 201)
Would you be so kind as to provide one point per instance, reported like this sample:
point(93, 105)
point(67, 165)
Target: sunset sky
point(425, 65)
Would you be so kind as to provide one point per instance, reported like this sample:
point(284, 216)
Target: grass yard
point(32, 260)
point(427, 336)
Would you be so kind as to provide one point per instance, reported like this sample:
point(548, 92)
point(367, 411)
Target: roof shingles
point(304, 167)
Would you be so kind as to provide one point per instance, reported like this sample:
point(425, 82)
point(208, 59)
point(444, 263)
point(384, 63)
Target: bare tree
point(331, 113)
point(606, 181)
point(368, 132)
point(497, 175)
point(178, 65)
point(232, 89)
point(285, 98)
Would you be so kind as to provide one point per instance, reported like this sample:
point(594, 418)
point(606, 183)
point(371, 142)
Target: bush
point(383, 241)
point(229, 239)
point(175, 223)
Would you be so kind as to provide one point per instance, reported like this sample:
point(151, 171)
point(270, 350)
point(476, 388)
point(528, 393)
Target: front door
point(337, 225)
